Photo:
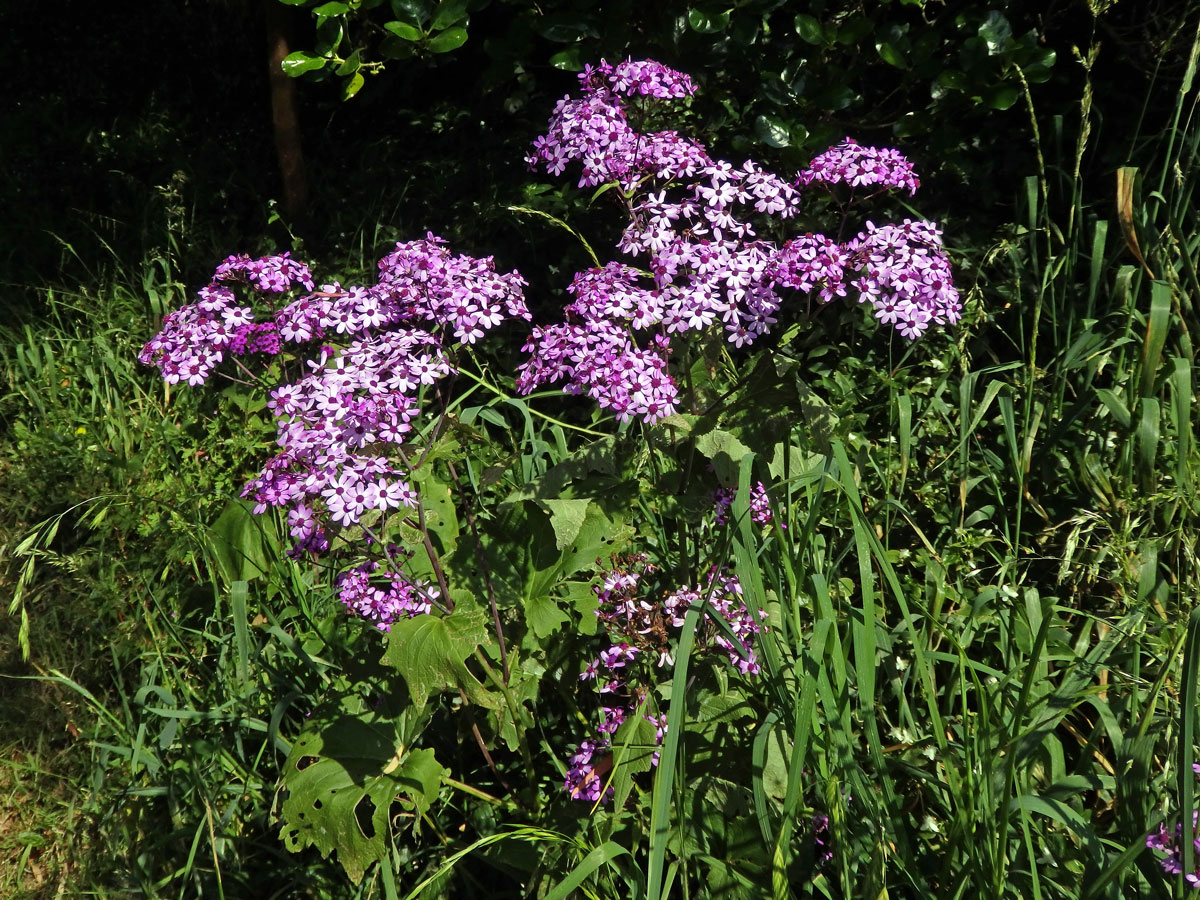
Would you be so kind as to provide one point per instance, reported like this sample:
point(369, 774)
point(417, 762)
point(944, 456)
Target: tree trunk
point(284, 118)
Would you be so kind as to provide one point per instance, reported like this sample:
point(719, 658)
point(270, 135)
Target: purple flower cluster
point(858, 166)
point(904, 273)
point(1170, 843)
point(760, 504)
point(373, 593)
point(901, 270)
point(369, 354)
point(594, 129)
point(640, 77)
point(367, 392)
point(821, 841)
point(692, 219)
point(640, 630)
point(275, 274)
point(595, 352)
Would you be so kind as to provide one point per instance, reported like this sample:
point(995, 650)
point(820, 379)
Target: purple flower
point(359, 393)
point(859, 166)
point(1170, 842)
point(381, 596)
point(760, 504)
point(695, 221)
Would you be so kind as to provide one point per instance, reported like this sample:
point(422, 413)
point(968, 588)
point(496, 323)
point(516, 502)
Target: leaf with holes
point(341, 779)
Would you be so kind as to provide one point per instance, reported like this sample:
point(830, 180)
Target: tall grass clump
point(124, 553)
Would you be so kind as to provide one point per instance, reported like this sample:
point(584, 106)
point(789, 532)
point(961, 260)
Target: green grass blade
point(664, 781)
point(605, 853)
point(1187, 736)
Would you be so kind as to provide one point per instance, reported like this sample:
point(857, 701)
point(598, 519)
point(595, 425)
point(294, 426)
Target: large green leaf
point(298, 63)
point(599, 456)
point(450, 39)
point(544, 615)
point(341, 779)
point(237, 544)
point(725, 451)
point(430, 651)
point(566, 518)
point(772, 131)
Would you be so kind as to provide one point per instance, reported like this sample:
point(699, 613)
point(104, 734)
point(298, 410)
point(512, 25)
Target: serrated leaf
point(450, 39)
point(544, 615)
point(566, 518)
point(295, 64)
point(597, 537)
point(598, 456)
point(341, 779)
point(441, 516)
point(722, 448)
point(809, 29)
point(726, 707)
point(430, 651)
point(632, 751)
point(772, 131)
point(581, 596)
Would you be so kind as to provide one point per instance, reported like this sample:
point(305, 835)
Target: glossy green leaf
point(772, 131)
point(404, 31)
point(995, 31)
point(299, 62)
point(852, 30)
point(449, 12)
point(1002, 96)
point(336, 8)
point(706, 22)
point(562, 28)
point(353, 86)
point(350, 65)
point(330, 35)
point(891, 55)
point(809, 29)
point(569, 60)
point(450, 39)
point(418, 12)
